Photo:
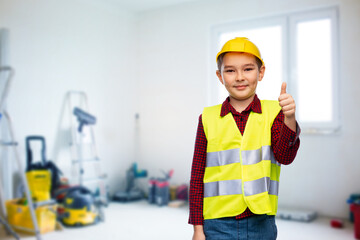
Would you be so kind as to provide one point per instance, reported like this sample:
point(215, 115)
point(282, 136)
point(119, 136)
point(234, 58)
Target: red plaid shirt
point(284, 142)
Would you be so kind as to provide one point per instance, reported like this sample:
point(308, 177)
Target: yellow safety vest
point(241, 170)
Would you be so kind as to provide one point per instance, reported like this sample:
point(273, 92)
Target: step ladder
point(12, 143)
point(85, 164)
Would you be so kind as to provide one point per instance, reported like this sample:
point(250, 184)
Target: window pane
point(271, 52)
point(314, 71)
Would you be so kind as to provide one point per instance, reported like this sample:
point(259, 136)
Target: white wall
point(173, 61)
point(57, 46)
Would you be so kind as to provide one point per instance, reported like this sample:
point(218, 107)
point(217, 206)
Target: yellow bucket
point(19, 217)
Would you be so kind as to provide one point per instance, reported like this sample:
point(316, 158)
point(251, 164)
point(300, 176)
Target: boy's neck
point(241, 105)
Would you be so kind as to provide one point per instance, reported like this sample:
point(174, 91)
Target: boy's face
point(240, 75)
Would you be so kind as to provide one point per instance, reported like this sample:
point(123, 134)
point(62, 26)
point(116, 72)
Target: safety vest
point(241, 170)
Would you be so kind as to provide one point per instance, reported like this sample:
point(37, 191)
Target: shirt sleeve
point(196, 191)
point(284, 141)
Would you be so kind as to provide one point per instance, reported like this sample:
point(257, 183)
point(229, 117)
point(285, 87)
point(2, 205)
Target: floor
point(140, 220)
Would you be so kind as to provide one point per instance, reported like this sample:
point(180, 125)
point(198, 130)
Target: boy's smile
point(240, 75)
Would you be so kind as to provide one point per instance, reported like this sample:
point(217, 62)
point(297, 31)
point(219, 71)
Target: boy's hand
point(288, 107)
point(198, 233)
point(198, 236)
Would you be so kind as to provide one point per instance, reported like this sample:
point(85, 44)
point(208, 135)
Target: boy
point(239, 148)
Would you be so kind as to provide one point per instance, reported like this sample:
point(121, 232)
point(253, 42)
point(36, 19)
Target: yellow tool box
point(19, 217)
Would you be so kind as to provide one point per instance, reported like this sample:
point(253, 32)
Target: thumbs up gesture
point(288, 107)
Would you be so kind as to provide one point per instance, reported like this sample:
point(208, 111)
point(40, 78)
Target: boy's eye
point(249, 69)
point(229, 70)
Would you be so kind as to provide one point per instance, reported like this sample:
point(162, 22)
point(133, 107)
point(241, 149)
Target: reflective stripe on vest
point(230, 187)
point(241, 170)
point(219, 188)
point(232, 156)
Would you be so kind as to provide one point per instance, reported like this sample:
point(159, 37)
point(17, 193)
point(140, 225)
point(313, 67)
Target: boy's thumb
point(283, 88)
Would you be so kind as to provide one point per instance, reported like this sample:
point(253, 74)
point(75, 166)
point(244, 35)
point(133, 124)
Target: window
point(300, 49)
point(315, 71)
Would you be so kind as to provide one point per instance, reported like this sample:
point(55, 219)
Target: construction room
point(109, 111)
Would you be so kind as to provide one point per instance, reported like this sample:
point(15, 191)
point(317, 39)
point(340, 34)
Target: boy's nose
point(239, 76)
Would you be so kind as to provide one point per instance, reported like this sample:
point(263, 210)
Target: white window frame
point(288, 23)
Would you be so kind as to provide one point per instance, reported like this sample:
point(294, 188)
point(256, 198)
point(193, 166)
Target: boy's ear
point(261, 72)
point(218, 74)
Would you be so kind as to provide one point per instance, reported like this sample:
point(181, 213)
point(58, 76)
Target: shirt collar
point(254, 106)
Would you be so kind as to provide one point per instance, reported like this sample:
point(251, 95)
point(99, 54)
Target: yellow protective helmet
point(241, 44)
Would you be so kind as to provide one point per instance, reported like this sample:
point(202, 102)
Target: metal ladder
point(4, 114)
point(84, 153)
point(8, 229)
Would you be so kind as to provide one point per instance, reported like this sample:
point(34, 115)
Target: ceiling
point(145, 5)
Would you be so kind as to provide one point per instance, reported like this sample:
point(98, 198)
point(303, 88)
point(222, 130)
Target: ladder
point(4, 114)
point(85, 164)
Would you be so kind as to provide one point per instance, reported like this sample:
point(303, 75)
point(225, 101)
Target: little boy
point(240, 146)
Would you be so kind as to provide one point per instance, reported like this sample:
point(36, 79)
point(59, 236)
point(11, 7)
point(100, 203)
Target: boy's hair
point(221, 58)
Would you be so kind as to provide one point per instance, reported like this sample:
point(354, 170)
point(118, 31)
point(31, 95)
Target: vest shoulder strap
point(270, 104)
point(270, 108)
point(210, 113)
